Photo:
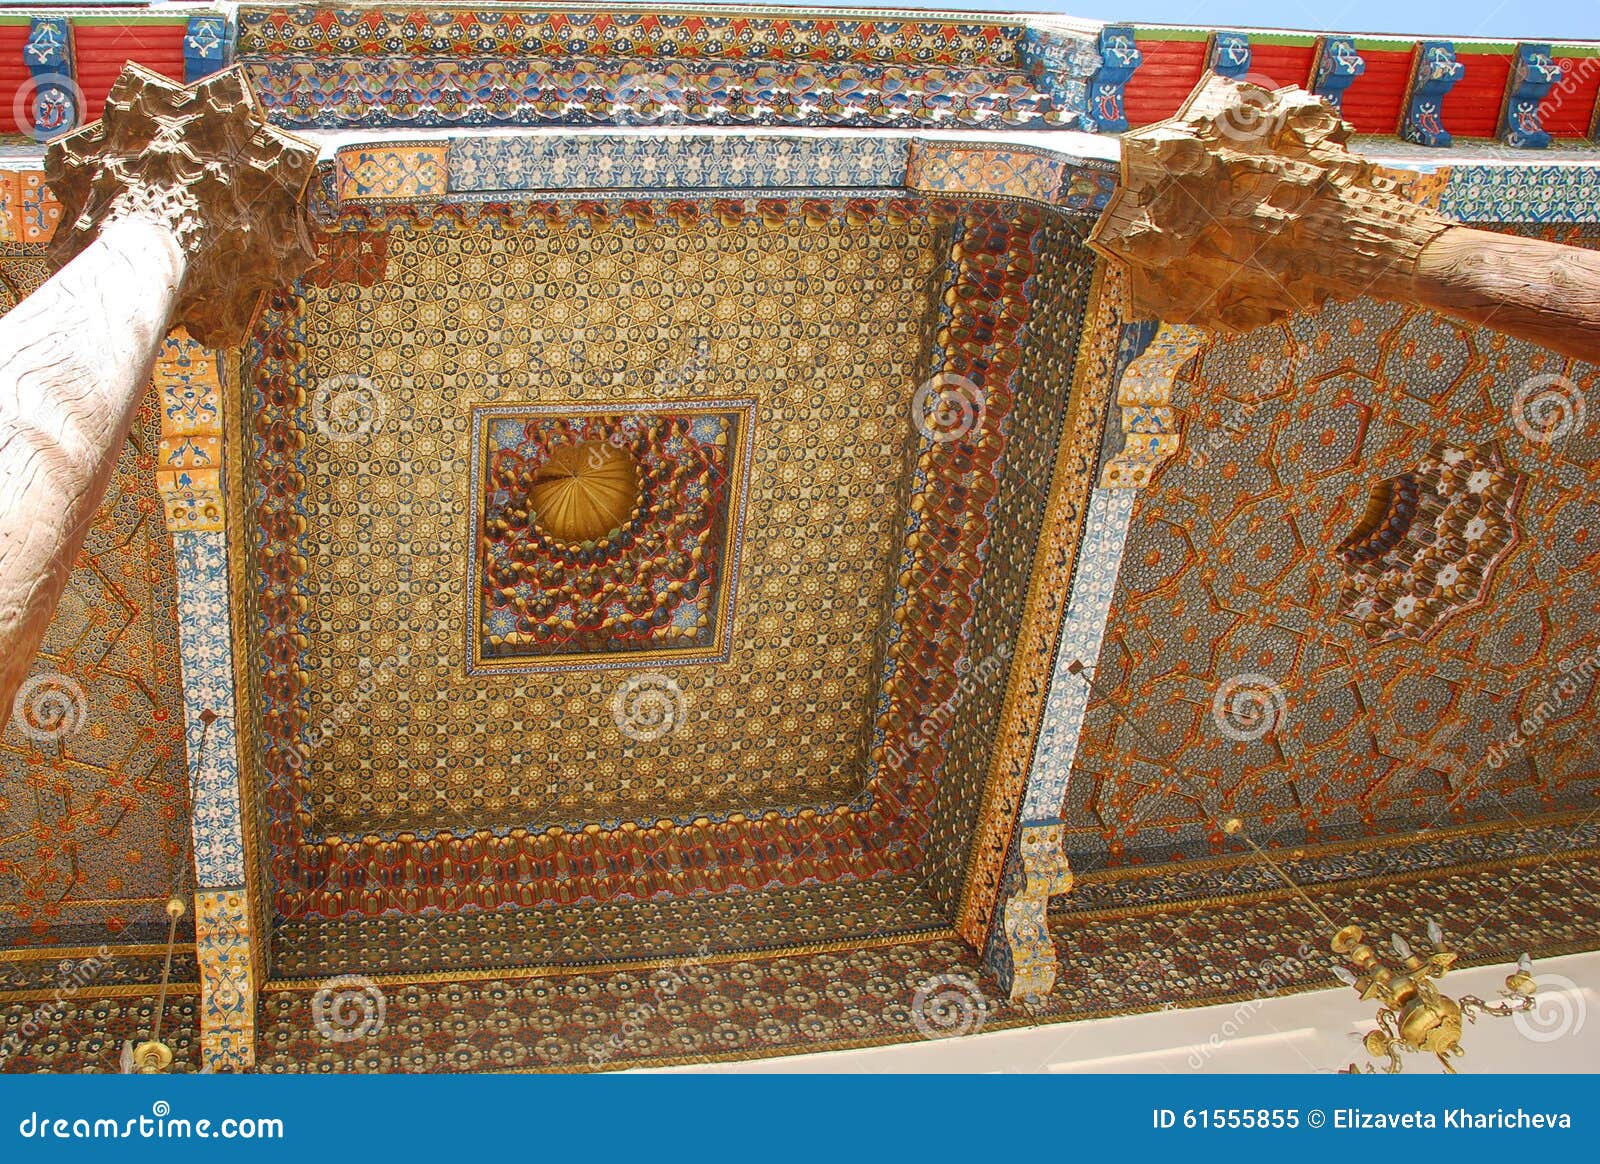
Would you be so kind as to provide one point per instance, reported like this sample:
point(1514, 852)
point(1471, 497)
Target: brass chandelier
point(1415, 1016)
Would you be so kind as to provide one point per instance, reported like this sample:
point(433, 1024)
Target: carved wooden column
point(180, 206)
point(1247, 208)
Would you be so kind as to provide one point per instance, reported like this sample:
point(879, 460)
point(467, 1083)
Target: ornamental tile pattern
point(44, 970)
point(1428, 545)
point(701, 1008)
point(1003, 172)
point(28, 211)
point(650, 583)
point(1082, 629)
point(523, 866)
point(1134, 887)
point(378, 173)
point(596, 312)
point(1227, 638)
point(93, 795)
point(1091, 369)
point(1525, 193)
point(581, 933)
point(374, 67)
point(227, 990)
point(189, 457)
point(205, 644)
point(86, 1033)
point(482, 164)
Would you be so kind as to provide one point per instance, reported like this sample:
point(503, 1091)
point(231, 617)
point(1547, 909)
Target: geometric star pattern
point(1226, 640)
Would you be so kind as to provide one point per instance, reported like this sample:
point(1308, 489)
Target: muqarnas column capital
point(202, 161)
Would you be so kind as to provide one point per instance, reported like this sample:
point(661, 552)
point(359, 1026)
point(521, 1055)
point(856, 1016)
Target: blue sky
point(1503, 19)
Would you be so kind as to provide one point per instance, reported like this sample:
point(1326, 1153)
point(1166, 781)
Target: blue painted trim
point(1434, 74)
point(1119, 58)
point(56, 105)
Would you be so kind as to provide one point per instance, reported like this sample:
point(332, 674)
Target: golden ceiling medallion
point(584, 491)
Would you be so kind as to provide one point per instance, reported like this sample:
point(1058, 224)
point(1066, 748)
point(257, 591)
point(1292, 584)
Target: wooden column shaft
point(75, 360)
point(1539, 291)
point(179, 205)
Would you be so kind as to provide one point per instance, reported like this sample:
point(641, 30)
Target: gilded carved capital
point(201, 160)
point(1246, 208)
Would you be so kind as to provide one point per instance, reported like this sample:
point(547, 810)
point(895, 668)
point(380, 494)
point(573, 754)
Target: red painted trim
point(1472, 107)
point(1168, 74)
point(103, 49)
point(1568, 109)
point(1376, 99)
point(1281, 64)
point(13, 74)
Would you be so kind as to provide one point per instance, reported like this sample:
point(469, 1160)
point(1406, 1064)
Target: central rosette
point(604, 533)
point(584, 492)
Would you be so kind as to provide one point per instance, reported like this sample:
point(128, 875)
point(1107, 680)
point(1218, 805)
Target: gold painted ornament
point(584, 491)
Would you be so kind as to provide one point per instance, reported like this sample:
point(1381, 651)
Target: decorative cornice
point(56, 102)
point(1119, 57)
point(1149, 424)
point(1336, 66)
point(189, 460)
